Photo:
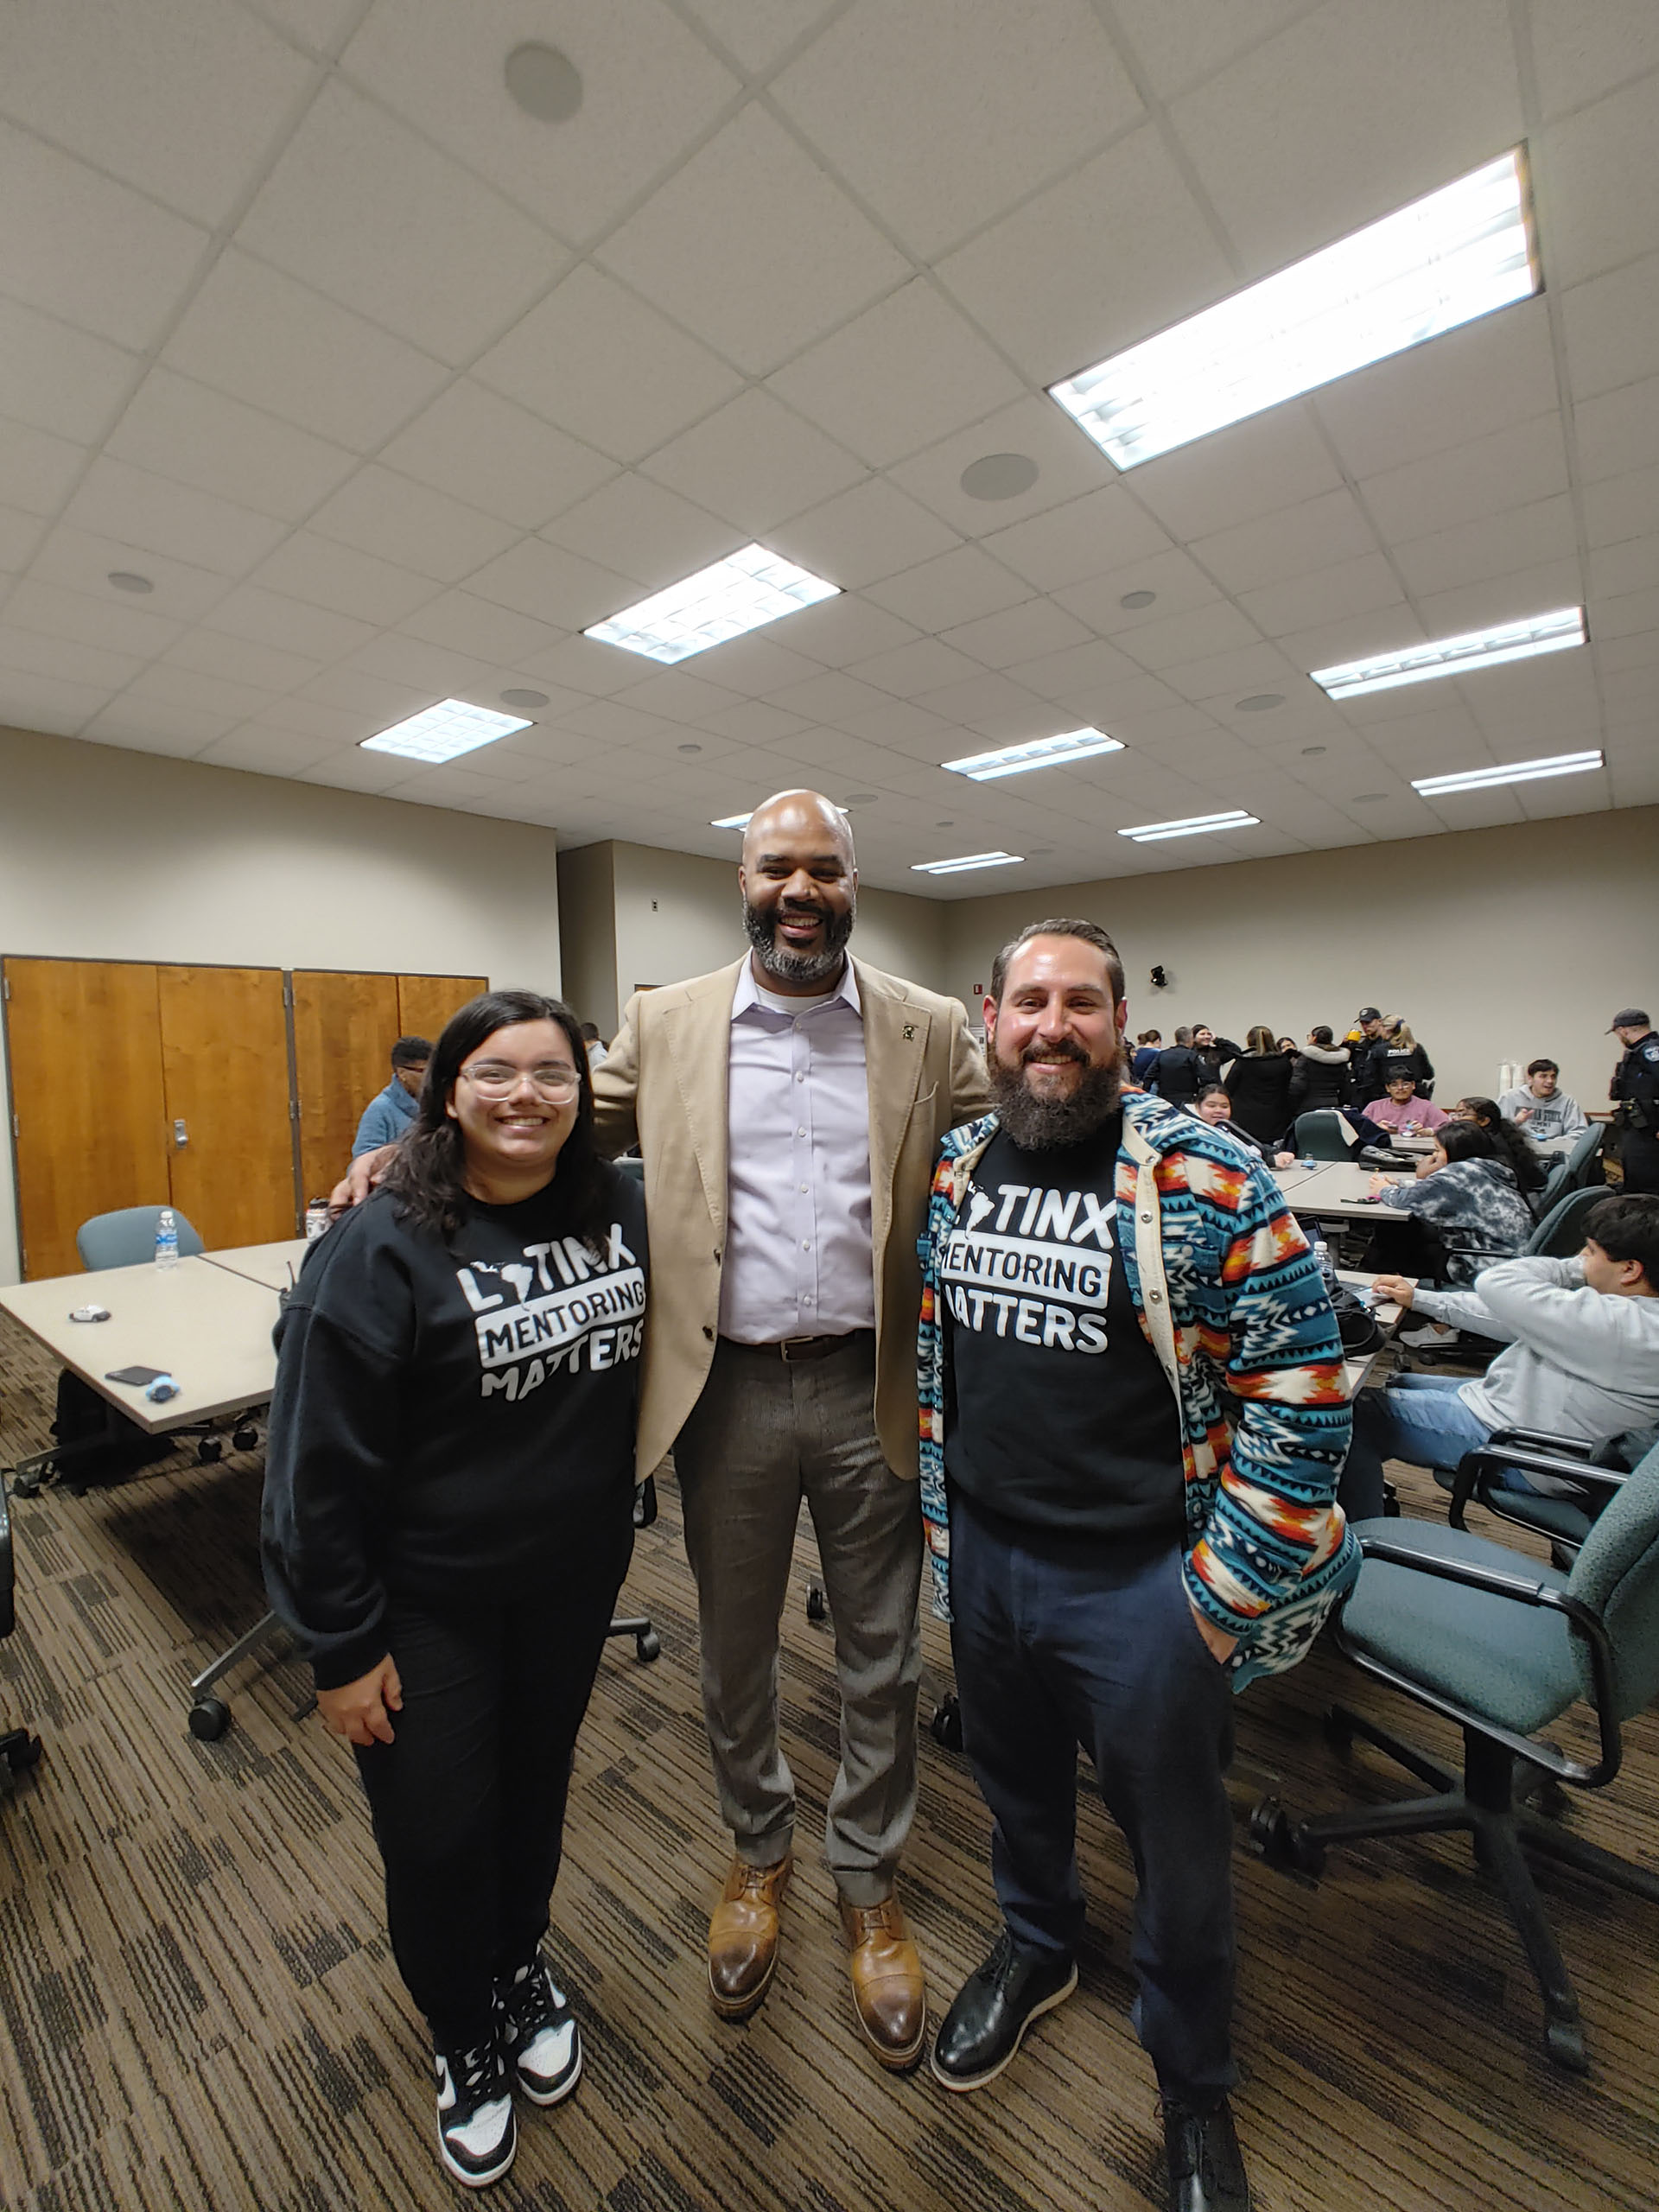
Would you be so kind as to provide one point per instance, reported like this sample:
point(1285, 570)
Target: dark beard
point(1042, 1124)
point(798, 967)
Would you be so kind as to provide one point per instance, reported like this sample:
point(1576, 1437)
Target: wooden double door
point(141, 1084)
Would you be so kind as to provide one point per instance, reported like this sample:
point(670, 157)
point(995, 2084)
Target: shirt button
point(805, 1247)
point(1157, 1297)
point(800, 1078)
point(804, 1187)
point(1146, 1217)
point(800, 1133)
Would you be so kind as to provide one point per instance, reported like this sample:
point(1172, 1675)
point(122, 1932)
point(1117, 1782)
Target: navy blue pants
point(1097, 1645)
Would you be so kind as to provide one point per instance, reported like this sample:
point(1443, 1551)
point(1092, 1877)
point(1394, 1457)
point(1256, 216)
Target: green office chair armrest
point(1528, 1453)
point(1495, 1582)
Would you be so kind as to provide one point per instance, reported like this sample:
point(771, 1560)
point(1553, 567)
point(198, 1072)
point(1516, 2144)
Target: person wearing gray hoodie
point(1580, 1357)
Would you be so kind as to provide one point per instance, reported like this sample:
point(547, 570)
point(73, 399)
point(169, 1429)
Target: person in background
point(1177, 1073)
point(1396, 1048)
point(1215, 1106)
point(1403, 1113)
point(1581, 1359)
point(1363, 1032)
point(1466, 1190)
point(448, 1518)
point(1148, 1045)
point(1120, 1554)
point(1289, 1046)
point(1258, 1083)
point(1319, 1074)
point(391, 1112)
point(597, 1054)
point(1214, 1052)
point(1541, 1108)
point(1635, 1093)
point(1530, 1172)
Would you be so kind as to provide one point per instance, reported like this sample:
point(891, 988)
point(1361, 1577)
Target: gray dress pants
point(764, 1435)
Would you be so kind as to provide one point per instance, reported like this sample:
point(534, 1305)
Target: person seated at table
point(1403, 1113)
point(1531, 1172)
point(1215, 1106)
point(1541, 1108)
point(1581, 1359)
point(388, 1114)
point(1466, 1194)
point(449, 1516)
point(1319, 1074)
point(1258, 1083)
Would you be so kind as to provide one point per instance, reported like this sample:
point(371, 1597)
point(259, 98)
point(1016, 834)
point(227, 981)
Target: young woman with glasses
point(448, 1520)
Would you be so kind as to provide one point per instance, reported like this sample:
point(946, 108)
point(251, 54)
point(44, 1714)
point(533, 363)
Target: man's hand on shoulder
point(361, 1178)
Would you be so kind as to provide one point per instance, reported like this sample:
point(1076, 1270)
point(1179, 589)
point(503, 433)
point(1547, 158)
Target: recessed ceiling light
point(1539, 633)
point(999, 476)
point(546, 83)
point(130, 580)
point(1309, 751)
point(526, 702)
point(1512, 771)
point(734, 821)
point(688, 748)
point(1191, 825)
point(444, 732)
point(1461, 253)
point(964, 862)
point(1036, 753)
point(742, 593)
point(860, 798)
point(1134, 600)
point(1260, 702)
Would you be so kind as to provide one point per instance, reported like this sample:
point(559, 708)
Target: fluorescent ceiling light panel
point(1039, 752)
point(1462, 253)
point(964, 862)
point(1192, 825)
point(445, 732)
point(734, 821)
point(1514, 771)
point(1539, 633)
point(742, 593)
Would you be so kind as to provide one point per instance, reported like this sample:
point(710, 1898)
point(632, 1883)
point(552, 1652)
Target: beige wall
point(588, 934)
point(1496, 944)
point(680, 914)
point(109, 854)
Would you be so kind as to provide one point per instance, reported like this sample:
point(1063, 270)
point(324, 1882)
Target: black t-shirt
point(450, 1421)
point(1060, 1417)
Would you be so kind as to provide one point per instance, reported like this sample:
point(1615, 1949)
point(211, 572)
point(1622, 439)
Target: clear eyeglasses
point(493, 1079)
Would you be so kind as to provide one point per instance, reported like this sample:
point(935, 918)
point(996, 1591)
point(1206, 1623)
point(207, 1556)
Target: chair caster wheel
point(945, 1727)
point(817, 1605)
point(244, 1440)
point(1284, 1846)
point(210, 1449)
point(649, 1646)
point(27, 1485)
point(209, 1718)
point(1564, 2041)
point(20, 1750)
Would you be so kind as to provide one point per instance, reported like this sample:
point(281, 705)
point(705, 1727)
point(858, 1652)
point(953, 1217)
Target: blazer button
point(708, 1332)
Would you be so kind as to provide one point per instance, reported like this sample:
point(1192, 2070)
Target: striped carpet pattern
point(198, 2011)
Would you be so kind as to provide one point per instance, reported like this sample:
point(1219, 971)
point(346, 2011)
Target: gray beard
point(1043, 1124)
point(789, 967)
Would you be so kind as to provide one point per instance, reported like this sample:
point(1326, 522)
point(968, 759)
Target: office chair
point(127, 1238)
point(646, 1642)
point(1565, 1520)
point(1504, 1646)
point(19, 1751)
point(1323, 1134)
point(1579, 1170)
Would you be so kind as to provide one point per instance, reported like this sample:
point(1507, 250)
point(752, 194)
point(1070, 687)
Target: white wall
point(1495, 945)
point(109, 854)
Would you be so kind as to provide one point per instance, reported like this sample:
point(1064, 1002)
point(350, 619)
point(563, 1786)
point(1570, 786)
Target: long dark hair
point(1468, 1141)
point(1529, 1172)
point(427, 1173)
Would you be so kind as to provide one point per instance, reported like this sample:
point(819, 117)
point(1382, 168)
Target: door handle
point(180, 1135)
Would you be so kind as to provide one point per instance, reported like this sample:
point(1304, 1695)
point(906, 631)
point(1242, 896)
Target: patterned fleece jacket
point(1232, 1303)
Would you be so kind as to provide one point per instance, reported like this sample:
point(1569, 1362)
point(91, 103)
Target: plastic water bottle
point(167, 1239)
point(1322, 1261)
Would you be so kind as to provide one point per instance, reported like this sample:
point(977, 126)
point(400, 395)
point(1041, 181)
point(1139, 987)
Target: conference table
point(207, 1325)
point(1340, 1190)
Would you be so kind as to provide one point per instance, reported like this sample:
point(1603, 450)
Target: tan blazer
point(663, 1087)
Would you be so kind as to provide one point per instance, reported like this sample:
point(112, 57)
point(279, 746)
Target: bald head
point(800, 886)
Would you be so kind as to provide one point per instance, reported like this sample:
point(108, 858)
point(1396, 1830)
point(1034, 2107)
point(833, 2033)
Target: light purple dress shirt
point(800, 1260)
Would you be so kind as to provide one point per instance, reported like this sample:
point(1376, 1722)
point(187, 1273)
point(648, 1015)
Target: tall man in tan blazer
point(789, 1108)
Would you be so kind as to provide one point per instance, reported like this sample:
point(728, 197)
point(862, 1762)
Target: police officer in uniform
point(1634, 1093)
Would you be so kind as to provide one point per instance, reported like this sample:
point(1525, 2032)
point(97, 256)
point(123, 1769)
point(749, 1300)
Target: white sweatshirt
point(1576, 1362)
point(1560, 1117)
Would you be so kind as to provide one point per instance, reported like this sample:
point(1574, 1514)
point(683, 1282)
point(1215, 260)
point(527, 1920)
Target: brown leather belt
point(791, 1348)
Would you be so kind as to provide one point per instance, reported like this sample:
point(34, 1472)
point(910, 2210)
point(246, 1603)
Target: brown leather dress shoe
point(743, 1937)
point(889, 1993)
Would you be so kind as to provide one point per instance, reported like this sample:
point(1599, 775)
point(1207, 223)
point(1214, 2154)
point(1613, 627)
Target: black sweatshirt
point(449, 1421)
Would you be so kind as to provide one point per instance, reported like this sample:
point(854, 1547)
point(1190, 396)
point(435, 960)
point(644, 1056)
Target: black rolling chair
point(1490, 1639)
point(646, 1642)
point(19, 1751)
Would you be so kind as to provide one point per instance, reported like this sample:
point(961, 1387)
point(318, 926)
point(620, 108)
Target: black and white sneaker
point(477, 2132)
point(539, 2035)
